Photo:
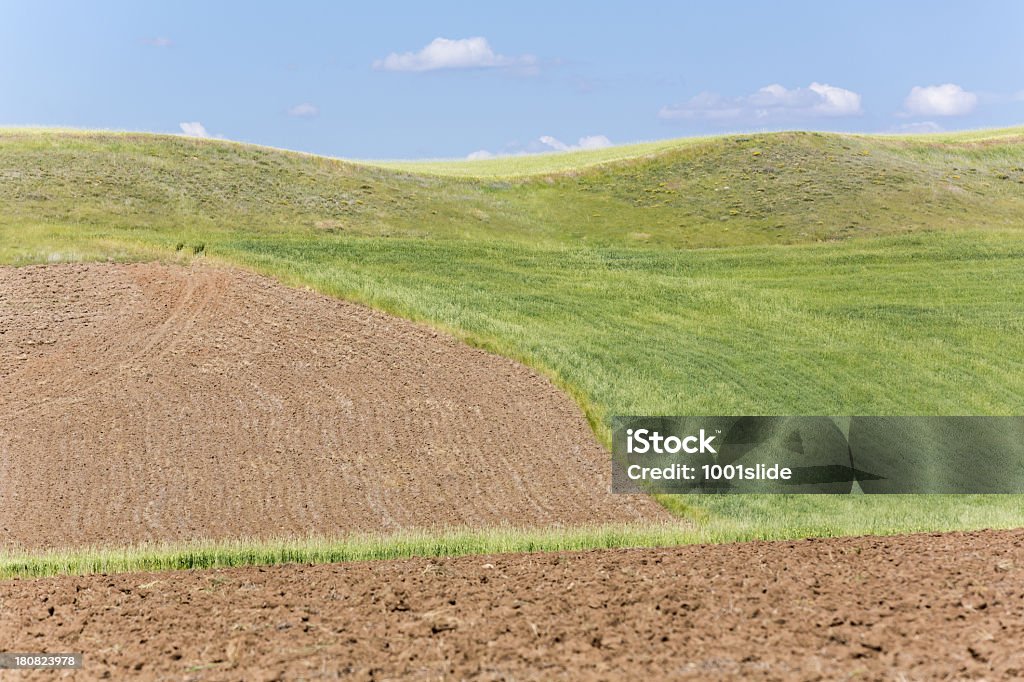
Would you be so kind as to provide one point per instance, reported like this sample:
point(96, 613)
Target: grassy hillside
point(855, 274)
point(762, 189)
point(574, 161)
point(508, 167)
point(924, 318)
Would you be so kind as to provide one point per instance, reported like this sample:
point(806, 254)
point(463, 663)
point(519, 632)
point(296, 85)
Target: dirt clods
point(917, 607)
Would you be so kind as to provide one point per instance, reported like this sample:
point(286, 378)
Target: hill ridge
point(775, 188)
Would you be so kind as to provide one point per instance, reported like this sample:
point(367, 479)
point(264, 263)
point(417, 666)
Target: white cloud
point(159, 42)
point(594, 142)
point(442, 53)
point(304, 110)
point(555, 144)
point(835, 101)
point(193, 129)
point(940, 100)
point(771, 102)
point(479, 154)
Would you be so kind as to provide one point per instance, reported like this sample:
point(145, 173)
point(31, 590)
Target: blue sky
point(376, 80)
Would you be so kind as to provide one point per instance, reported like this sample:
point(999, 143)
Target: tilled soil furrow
point(151, 402)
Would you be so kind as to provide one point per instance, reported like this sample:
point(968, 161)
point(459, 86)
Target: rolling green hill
point(572, 161)
point(584, 272)
point(789, 273)
point(742, 190)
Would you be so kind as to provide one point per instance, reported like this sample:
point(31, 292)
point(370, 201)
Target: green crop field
point(788, 273)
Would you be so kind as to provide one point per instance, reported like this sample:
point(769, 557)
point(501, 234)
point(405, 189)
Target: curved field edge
point(719, 519)
point(926, 324)
point(945, 366)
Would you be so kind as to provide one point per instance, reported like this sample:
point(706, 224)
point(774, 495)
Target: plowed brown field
point(153, 402)
point(917, 607)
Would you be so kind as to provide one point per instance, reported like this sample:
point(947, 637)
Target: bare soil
point(916, 607)
point(150, 402)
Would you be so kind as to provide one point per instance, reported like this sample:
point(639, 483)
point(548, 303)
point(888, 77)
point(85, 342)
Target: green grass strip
point(718, 519)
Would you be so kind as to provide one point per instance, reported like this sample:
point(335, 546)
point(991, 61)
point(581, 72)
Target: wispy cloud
point(443, 53)
point(948, 99)
point(543, 144)
point(772, 102)
point(304, 110)
point(158, 42)
point(193, 129)
point(919, 127)
point(588, 142)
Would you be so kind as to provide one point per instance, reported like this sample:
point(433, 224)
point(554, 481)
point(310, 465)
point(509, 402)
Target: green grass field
point(791, 273)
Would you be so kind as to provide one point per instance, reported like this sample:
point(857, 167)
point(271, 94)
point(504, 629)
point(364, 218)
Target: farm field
point(222, 357)
point(931, 606)
point(916, 312)
point(212, 404)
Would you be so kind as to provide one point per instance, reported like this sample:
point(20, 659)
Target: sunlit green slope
point(759, 189)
